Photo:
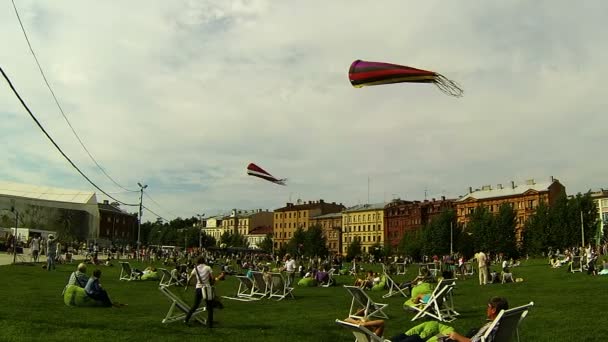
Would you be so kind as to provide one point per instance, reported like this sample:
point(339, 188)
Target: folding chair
point(440, 304)
point(393, 287)
point(469, 269)
point(507, 277)
point(361, 333)
point(245, 291)
point(279, 288)
point(260, 288)
point(167, 279)
point(179, 304)
point(401, 268)
point(508, 322)
point(330, 280)
point(126, 273)
point(363, 301)
point(577, 264)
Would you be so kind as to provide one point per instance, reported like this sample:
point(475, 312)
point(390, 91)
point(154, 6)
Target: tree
point(411, 244)
point(377, 250)
point(504, 231)
point(480, 225)
point(266, 244)
point(315, 243)
point(437, 234)
point(354, 249)
point(295, 245)
point(536, 231)
point(234, 240)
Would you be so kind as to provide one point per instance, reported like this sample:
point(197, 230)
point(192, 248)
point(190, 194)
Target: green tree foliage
point(504, 240)
point(266, 244)
point(411, 243)
point(377, 250)
point(315, 243)
point(234, 240)
point(536, 230)
point(480, 225)
point(436, 234)
point(295, 245)
point(354, 249)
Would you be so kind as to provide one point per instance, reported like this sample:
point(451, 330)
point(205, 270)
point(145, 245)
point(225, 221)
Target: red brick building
point(115, 224)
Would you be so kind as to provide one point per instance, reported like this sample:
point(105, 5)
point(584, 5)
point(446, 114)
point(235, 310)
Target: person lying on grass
point(94, 290)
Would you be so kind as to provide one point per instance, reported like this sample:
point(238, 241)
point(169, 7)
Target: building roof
point(365, 207)
point(47, 193)
point(327, 216)
point(506, 191)
point(310, 205)
point(261, 230)
point(105, 206)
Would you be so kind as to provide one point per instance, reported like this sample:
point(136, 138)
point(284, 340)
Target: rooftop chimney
point(106, 202)
point(499, 186)
point(552, 179)
point(530, 181)
point(512, 185)
point(470, 189)
point(443, 198)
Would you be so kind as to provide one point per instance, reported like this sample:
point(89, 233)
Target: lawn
point(568, 307)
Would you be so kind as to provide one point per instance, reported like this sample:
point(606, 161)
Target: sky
point(182, 95)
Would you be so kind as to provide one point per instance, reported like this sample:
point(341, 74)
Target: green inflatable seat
point(150, 276)
point(424, 288)
point(380, 286)
point(429, 330)
point(307, 282)
point(75, 296)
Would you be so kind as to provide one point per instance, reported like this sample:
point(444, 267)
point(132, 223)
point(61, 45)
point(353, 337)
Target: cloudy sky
point(182, 95)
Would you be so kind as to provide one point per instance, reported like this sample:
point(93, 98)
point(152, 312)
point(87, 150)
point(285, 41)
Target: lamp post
point(200, 231)
point(141, 198)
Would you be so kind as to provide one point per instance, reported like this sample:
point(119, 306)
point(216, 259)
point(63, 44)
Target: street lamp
point(200, 231)
point(141, 198)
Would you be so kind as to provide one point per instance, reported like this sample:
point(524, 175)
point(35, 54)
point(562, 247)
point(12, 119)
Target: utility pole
point(200, 231)
point(451, 238)
point(141, 199)
point(582, 229)
point(15, 236)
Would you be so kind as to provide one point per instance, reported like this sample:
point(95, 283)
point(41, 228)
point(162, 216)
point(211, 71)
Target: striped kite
point(256, 171)
point(362, 74)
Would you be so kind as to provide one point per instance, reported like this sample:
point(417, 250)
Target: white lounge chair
point(245, 291)
point(440, 304)
point(362, 301)
point(393, 287)
point(577, 264)
point(508, 322)
point(330, 280)
point(401, 268)
point(181, 306)
point(166, 279)
point(361, 333)
point(127, 273)
point(279, 288)
point(260, 288)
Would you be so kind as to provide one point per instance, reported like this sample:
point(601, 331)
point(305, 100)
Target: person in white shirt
point(290, 268)
point(204, 289)
point(35, 246)
point(483, 270)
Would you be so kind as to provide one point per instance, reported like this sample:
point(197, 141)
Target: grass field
point(568, 307)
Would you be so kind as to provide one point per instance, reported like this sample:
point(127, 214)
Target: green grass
point(568, 307)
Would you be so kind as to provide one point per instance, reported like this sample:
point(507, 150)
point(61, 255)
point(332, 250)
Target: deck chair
point(181, 306)
point(440, 304)
point(245, 291)
point(469, 269)
point(393, 287)
point(401, 268)
point(361, 333)
point(577, 264)
point(167, 279)
point(127, 273)
point(508, 322)
point(362, 301)
point(260, 288)
point(279, 288)
point(330, 281)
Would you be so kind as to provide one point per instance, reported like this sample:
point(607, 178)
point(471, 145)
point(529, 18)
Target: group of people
point(91, 285)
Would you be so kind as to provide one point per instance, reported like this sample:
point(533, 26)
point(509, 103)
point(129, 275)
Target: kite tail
point(447, 86)
point(281, 181)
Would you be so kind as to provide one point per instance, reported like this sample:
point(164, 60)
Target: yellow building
point(364, 222)
point(331, 224)
point(293, 216)
point(242, 221)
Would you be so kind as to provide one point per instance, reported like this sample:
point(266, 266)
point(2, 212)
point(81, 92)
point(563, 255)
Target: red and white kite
point(256, 171)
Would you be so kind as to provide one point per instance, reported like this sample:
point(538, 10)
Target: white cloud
point(182, 95)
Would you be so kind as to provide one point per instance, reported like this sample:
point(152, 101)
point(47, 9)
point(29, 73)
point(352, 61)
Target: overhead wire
point(59, 105)
point(160, 206)
point(53, 141)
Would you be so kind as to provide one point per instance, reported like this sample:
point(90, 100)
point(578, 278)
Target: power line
point(148, 209)
point(160, 206)
point(57, 101)
point(53, 141)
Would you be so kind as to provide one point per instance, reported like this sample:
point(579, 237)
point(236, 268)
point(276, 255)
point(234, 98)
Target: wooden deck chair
point(577, 264)
point(330, 280)
point(362, 301)
point(440, 304)
point(260, 288)
point(393, 287)
point(508, 322)
point(361, 333)
point(127, 273)
point(179, 309)
point(245, 291)
point(279, 288)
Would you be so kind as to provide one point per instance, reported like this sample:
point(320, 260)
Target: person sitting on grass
point(366, 283)
point(423, 277)
point(94, 290)
point(431, 331)
point(79, 277)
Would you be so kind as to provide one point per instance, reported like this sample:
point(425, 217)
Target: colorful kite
point(254, 170)
point(362, 74)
